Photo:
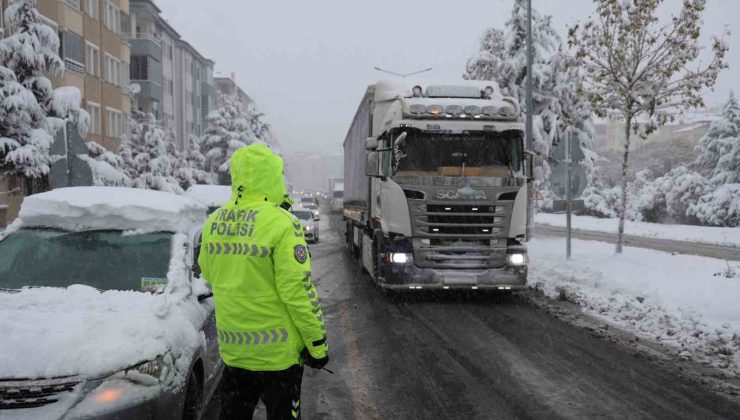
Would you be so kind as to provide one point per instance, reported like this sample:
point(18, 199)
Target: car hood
point(54, 332)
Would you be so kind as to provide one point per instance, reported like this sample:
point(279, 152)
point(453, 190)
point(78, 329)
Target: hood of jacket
point(257, 175)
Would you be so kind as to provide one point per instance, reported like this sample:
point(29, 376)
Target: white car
point(100, 315)
point(310, 223)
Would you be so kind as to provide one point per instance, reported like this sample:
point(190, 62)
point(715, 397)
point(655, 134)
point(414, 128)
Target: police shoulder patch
point(301, 253)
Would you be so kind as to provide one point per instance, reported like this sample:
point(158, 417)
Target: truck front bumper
point(411, 277)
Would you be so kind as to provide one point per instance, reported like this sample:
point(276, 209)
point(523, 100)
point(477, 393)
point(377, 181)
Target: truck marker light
point(474, 287)
point(445, 287)
point(475, 208)
point(435, 230)
point(486, 230)
point(448, 208)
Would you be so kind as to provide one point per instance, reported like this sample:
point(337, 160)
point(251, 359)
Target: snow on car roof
point(210, 195)
point(87, 208)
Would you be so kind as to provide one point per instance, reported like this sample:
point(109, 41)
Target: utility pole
point(568, 192)
point(528, 129)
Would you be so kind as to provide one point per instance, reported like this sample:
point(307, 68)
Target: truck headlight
point(516, 259)
point(397, 257)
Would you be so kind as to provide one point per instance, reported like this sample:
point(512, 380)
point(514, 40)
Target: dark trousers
point(280, 392)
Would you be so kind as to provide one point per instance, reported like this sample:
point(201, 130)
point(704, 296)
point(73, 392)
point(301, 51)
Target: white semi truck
point(435, 187)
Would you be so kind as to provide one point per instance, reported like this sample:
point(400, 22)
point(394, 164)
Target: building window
point(73, 3)
point(139, 67)
point(114, 119)
point(124, 74)
point(91, 7)
point(112, 70)
point(72, 49)
point(112, 17)
point(93, 59)
point(94, 110)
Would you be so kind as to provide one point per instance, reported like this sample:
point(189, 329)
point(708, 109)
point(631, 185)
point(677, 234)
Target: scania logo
point(461, 194)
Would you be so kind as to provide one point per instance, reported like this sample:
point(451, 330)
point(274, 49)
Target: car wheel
point(193, 398)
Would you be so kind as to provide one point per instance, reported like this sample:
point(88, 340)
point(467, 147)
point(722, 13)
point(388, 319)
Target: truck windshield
point(106, 260)
point(496, 154)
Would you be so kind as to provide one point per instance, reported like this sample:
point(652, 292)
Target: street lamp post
point(528, 122)
point(402, 75)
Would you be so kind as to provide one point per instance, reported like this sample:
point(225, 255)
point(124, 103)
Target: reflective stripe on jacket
point(255, 257)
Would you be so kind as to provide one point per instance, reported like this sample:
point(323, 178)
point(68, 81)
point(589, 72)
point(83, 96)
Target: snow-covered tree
point(27, 54)
point(228, 130)
point(107, 167)
point(635, 65)
point(720, 207)
point(145, 157)
point(31, 112)
point(259, 127)
point(719, 156)
point(197, 162)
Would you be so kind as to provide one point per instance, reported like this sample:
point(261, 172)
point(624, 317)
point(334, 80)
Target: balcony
point(149, 90)
point(145, 44)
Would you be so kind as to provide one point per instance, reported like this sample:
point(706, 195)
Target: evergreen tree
point(26, 55)
point(228, 130)
point(719, 157)
point(145, 157)
point(107, 167)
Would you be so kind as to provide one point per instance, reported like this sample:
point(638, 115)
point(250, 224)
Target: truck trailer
point(435, 187)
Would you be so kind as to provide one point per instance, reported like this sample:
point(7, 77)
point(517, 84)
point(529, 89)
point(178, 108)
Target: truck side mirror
point(371, 143)
point(529, 165)
point(371, 165)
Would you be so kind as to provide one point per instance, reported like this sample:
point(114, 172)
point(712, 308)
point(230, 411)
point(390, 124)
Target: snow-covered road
point(461, 357)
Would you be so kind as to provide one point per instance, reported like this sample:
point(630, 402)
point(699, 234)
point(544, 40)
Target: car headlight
point(309, 228)
point(516, 259)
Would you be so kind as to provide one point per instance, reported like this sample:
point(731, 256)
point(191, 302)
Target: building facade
point(226, 85)
point(175, 80)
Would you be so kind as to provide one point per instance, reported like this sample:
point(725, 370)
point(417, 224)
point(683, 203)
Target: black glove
point(313, 362)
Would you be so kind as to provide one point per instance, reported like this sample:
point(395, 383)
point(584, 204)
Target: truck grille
point(460, 235)
point(16, 394)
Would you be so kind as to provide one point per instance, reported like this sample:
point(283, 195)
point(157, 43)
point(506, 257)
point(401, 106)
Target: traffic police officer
point(269, 321)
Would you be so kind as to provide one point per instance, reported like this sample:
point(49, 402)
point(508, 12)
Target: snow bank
point(724, 236)
point(210, 195)
point(684, 301)
point(79, 208)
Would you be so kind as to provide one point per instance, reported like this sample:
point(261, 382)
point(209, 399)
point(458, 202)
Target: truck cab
point(445, 202)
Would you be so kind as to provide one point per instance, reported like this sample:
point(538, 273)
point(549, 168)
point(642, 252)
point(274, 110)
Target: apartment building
point(175, 79)
point(226, 85)
point(97, 61)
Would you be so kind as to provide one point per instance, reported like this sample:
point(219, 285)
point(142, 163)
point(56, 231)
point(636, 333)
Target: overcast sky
point(307, 63)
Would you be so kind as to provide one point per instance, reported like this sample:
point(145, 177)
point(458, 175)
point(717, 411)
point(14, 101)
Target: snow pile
point(210, 195)
point(701, 234)
point(49, 332)
point(688, 302)
point(79, 208)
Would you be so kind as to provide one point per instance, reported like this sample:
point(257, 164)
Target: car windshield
point(106, 260)
point(471, 154)
point(303, 214)
point(309, 205)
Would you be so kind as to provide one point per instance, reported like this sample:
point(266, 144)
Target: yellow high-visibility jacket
point(255, 257)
